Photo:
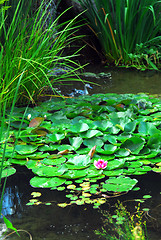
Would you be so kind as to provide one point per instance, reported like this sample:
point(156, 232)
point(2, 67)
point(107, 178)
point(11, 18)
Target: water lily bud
point(29, 116)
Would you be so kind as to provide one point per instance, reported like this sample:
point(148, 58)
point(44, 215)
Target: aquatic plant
point(100, 164)
point(5, 168)
point(123, 224)
point(61, 148)
point(30, 48)
point(122, 25)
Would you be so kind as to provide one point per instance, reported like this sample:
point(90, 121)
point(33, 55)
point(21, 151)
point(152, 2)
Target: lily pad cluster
point(57, 136)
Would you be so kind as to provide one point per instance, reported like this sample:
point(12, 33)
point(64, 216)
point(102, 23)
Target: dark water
point(74, 222)
point(78, 222)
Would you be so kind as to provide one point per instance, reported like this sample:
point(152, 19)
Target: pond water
point(118, 81)
point(78, 222)
point(73, 222)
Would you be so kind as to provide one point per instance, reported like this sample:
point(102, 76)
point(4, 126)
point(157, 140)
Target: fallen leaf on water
point(92, 151)
point(35, 122)
point(63, 152)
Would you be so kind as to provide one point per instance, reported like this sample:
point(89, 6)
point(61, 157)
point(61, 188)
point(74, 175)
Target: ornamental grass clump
point(29, 46)
point(122, 25)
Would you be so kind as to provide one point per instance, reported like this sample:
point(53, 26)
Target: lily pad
point(119, 184)
point(45, 182)
point(25, 149)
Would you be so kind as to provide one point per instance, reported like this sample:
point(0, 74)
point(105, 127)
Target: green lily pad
point(116, 163)
point(134, 144)
point(79, 127)
point(113, 173)
point(49, 171)
point(119, 184)
point(25, 149)
point(91, 133)
point(80, 160)
point(108, 149)
point(93, 141)
point(74, 174)
point(44, 182)
point(56, 161)
point(56, 137)
point(8, 172)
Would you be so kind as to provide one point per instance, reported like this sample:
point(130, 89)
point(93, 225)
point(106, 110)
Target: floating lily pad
point(8, 172)
point(25, 149)
point(45, 182)
point(49, 171)
point(119, 184)
point(73, 174)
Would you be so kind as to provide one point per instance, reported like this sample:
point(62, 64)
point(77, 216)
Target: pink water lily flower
point(100, 164)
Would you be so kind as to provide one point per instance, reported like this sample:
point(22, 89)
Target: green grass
point(121, 25)
point(30, 48)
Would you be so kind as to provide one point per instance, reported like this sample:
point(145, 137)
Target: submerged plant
point(121, 24)
point(123, 225)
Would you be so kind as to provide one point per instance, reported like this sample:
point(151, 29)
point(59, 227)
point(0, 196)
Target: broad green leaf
point(45, 182)
point(122, 153)
point(78, 127)
point(134, 144)
point(93, 141)
point(56, 161)
point(91, 133)
point(143, 127)
point(8, 172)
point(64, 147)
point(119, 184)
point(130, 126)
point(49, 171)
point(51, 147)
point(25, 149)
point(56, 137)
point(114, 164)
point(75, 142)
point(103, 125)
point(154, 141)
point(114, 173)
point(108, 149)
point(73, 174)
point(80, 160)
point(94, 172)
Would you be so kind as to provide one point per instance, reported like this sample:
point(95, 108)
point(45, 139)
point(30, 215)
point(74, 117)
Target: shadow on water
point(78, 222)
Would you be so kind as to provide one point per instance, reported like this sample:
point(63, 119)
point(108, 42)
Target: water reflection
point(12, 201)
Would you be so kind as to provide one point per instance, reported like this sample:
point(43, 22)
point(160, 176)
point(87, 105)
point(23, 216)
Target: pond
point(114, 80)
point(52, 222)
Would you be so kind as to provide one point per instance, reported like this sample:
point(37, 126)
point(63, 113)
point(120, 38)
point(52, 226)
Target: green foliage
point(122, 223)
point(123, 26)
point(30, 49)
point(5, 168)
point(124, 130)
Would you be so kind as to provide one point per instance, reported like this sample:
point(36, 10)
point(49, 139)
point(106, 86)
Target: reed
point(121, 25)
point(30, 47)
